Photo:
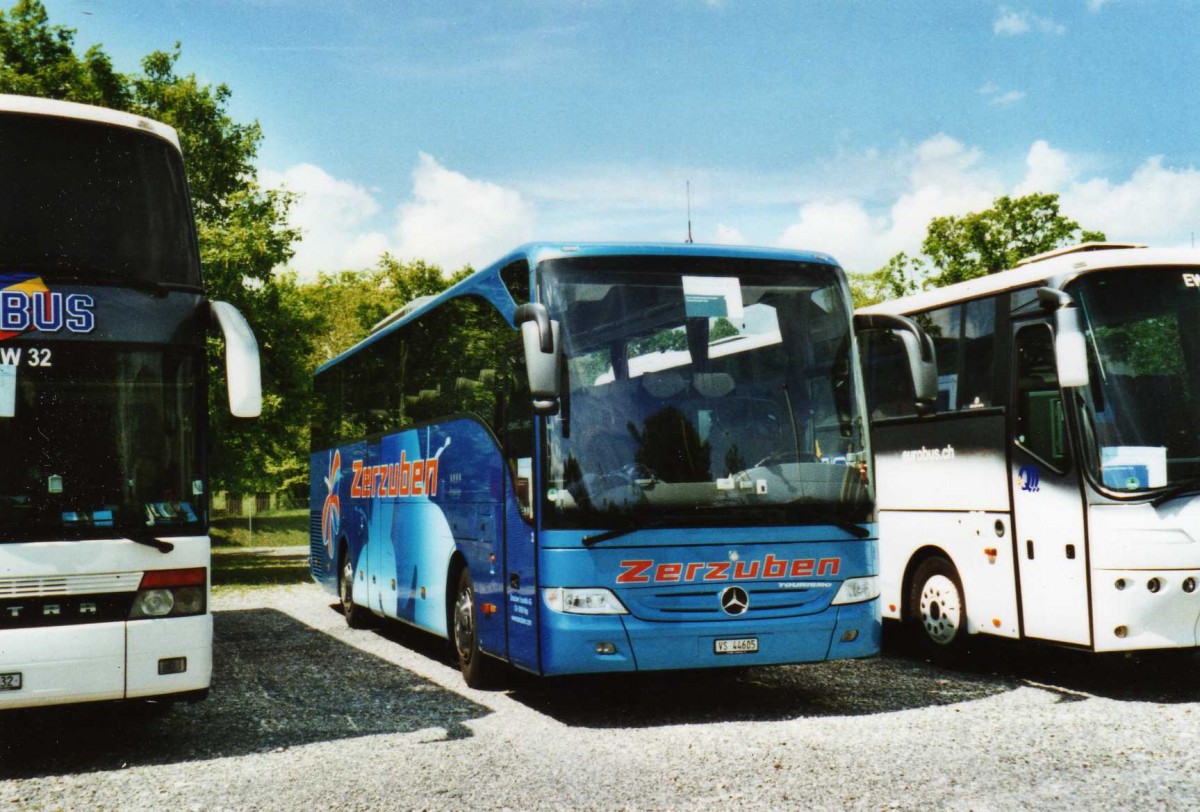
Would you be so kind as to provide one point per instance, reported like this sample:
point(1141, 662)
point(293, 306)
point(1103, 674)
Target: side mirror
point(1070, 348)
point(242, 373)
point(918, 347)
point(540, 337)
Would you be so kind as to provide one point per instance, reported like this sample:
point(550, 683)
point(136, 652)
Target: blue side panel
point(471, 471)
point(338, 523)
point(401, 506)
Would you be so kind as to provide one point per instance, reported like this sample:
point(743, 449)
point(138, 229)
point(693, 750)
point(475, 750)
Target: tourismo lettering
point(403, 478)
point(46, 311)
point(645, 571)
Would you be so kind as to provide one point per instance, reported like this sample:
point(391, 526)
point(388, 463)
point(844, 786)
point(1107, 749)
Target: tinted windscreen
point(94, 201)
point(702, 391)
point(98, 440)
point(1142, 404)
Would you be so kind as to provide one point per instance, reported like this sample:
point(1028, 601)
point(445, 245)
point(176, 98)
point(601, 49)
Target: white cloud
point(944, 178)
point(1046, 170)
point(1095, 5)
point(454, 220)
point(451, 220)
point(1010, 22)
point(331, 215)
point(1006, 99)
point(1000, 98)
point(1156, 205)
point(1013, 23)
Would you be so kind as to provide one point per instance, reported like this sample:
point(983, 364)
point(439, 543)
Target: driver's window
point(1040, 422)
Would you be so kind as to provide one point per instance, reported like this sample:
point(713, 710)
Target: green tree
point(38, 59)
point(242, 228)
point(981, 243)
point(901, 276)
point(964, 247)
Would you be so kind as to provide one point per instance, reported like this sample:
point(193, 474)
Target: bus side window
point(979, 354)
point(885, 370)
point(944, 326)
point(515, 276)
point(1040, 424)
point(516, 428)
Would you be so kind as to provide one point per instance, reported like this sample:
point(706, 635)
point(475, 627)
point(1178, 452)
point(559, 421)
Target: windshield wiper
point(1186, 487)
point(652, 524)
point(147, 538)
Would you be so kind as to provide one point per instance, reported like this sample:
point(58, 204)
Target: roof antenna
point(689, 209)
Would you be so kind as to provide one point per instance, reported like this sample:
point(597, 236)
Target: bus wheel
point(356, 616)
point(477, 669)
point(937, 607)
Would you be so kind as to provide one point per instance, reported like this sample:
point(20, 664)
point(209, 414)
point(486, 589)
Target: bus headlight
point(171, 593)
point(590, 601)
point(857, 590)
point(153, 603)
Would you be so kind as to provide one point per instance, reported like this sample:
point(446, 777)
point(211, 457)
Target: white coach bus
point(1053, 491)
point(104, 549)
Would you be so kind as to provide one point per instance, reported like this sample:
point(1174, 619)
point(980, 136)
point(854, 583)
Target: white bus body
point(1023, 509)
point(104, 553)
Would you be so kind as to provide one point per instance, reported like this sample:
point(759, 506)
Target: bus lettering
point(631, 572)
point(416, 478)
point(638, 571)
point(45, 311)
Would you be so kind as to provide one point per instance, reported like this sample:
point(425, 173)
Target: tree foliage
point(957, 248)
point(243, 229)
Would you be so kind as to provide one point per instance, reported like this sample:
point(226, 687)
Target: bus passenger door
point(1048, 515)
point(520, 549)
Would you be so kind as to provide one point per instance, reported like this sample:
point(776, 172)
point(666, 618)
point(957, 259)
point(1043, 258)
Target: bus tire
point(356, 616)
point(477, 668)
point(937, 608)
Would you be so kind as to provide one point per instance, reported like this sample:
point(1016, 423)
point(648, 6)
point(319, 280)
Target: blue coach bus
point(601, 458)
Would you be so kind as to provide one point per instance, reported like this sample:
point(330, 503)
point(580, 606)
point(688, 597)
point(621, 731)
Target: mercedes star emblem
point(734, 600)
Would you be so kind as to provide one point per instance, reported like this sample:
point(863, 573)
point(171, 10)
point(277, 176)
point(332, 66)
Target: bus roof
point(1055, 268)
point(86, 112)
point(485, 282)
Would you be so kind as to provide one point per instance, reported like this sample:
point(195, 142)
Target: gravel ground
point(309, 714)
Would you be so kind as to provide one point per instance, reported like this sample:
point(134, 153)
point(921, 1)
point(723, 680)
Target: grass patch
point(234, 569)
point(278, 528)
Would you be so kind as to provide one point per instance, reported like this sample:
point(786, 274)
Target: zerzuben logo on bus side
point(27, 304)
point(403, 478)
point(644, 571)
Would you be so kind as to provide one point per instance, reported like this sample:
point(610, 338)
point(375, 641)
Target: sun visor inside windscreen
point(712, 297)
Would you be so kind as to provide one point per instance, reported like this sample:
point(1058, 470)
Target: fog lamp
point(189, 600)
point(850, 635)
point(172, 665)
point(606, 648)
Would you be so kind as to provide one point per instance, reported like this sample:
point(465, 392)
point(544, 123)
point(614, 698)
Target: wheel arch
point(918, 558)
point(458, 563)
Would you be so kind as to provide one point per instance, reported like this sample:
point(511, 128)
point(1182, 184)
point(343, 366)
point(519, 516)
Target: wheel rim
point(464, 624)
point(346, 586)
point(941, 609)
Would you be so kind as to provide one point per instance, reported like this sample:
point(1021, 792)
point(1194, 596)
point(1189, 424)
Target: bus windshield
point(98, 202)
point(701, 390)
point(1142, 403)
point(98, 442)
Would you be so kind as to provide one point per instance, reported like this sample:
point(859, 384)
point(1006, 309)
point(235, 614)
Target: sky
point(455, 131)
